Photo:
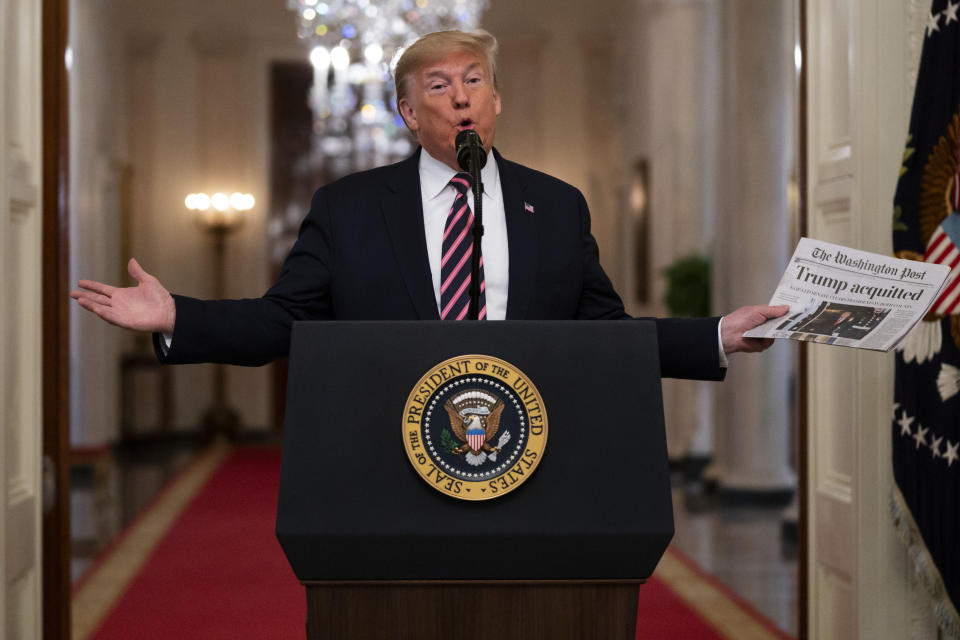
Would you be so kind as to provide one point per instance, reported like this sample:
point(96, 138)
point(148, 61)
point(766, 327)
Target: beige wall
point(177, 92)
point(98, 150)
point(559, 87)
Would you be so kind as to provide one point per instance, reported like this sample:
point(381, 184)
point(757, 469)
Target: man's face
point(448, 96)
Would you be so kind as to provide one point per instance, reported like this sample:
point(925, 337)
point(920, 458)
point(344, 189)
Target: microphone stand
point(475, 166)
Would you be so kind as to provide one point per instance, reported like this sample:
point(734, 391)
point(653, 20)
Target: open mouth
point(466, 123)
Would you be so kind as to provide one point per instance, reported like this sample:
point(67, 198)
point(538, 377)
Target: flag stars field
point(952, 453)
point(950, 13)
point(905, 423)
point(935, 446)
point(921, 435)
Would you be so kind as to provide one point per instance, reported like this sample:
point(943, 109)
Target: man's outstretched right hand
point(145, 307)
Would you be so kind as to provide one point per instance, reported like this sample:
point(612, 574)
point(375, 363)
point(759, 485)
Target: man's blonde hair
point(439, 44)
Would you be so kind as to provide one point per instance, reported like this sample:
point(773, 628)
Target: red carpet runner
point(219, 572)
point(661, 615)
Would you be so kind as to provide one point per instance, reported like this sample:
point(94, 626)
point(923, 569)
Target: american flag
point(926, 492)
point(528, 207)
point(942, 249)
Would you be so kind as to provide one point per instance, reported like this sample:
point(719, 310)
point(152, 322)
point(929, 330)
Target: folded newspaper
point(842, 296)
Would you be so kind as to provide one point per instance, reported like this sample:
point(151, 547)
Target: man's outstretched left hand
point(744, 319)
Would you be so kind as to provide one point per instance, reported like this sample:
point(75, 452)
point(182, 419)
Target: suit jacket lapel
point(522, 240)
point(402, 208)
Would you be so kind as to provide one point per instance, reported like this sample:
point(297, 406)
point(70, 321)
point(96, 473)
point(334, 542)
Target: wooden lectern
point(384, 555)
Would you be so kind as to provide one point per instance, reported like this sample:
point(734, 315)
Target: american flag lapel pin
point(528, 207)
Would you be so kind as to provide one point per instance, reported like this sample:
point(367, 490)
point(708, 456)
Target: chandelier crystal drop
point(388, 23)
point(355, 44)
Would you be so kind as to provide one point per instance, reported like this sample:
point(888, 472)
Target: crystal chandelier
point(356, 42)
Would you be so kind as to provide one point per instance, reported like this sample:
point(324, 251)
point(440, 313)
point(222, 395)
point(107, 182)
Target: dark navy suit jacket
point(361, 255)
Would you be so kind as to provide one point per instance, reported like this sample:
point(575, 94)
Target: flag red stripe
point(936, 240)
point(945, 294)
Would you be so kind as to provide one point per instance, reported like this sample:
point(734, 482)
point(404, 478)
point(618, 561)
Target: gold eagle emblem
point(939, 179)
point(475, 420)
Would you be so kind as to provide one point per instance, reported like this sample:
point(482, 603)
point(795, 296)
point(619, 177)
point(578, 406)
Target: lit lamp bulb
point(242, 201)
point(339, 58)
point(219, 212)
point(373, 53)
point(320, 57)
point(220, 201)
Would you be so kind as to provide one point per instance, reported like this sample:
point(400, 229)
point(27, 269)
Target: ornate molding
point(23, 194)
point(916, 20)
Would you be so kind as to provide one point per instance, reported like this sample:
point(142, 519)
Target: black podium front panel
point(352, 507)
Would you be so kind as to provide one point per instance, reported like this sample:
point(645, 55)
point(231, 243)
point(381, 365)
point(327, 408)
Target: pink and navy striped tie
point(456, 260)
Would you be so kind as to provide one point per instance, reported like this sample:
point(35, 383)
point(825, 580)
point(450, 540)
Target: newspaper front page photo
point(851, 298)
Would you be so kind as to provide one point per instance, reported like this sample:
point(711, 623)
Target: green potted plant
point(688, 286)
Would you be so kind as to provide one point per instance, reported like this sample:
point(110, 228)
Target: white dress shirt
point(438, 194)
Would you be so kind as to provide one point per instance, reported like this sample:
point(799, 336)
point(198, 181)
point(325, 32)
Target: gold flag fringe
point(923, 566)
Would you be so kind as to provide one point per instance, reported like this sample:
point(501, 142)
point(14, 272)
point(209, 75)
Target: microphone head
point(468, 146)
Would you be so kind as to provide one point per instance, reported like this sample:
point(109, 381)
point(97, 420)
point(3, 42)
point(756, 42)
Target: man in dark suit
point(377, 245)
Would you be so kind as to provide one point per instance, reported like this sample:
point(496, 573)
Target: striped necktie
point(456, 260)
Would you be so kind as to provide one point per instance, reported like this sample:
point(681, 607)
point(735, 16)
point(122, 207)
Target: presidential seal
point(474, 427)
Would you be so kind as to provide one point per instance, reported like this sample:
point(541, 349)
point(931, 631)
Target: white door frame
point(859, 61)
point(21, 364)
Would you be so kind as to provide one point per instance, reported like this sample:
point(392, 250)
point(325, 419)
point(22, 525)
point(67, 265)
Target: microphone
point(469, 146)
point(471, 157)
